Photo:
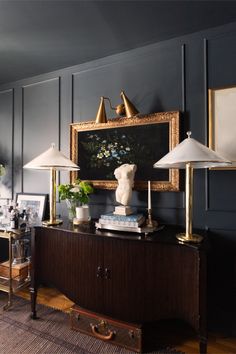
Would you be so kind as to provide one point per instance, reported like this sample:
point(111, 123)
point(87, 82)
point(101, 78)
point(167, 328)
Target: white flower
point(100, 155)
point(75, 189)
point(107, 153)
point(2, 170)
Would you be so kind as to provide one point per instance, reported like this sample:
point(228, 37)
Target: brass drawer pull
point(99, 272)
point(101, 336)
point(107, 273)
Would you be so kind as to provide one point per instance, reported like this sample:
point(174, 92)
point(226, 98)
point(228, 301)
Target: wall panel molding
point(7, 116)
point(183, 69)
point(205, 44)
point(22, 138)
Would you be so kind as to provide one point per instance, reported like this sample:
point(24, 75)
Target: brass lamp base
point(189, 238)
point(52, 222)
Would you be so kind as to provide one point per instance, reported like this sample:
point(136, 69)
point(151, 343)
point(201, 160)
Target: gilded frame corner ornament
point(172, 118)
point(221, 113)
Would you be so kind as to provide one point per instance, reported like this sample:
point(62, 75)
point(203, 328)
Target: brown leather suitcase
point(115, 332)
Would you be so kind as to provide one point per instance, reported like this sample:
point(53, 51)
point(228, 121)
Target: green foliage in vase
point(78, 191)
point(2, 170)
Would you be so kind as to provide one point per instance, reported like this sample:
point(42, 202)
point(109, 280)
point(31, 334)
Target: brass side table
point(9, 283)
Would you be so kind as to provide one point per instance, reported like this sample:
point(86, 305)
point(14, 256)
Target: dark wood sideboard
point(124, 276)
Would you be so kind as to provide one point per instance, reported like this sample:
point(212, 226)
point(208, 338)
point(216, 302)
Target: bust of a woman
point(125, 176)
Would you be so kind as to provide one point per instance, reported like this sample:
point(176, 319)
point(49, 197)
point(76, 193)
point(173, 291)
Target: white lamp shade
point(191, 151)
point(52, 158)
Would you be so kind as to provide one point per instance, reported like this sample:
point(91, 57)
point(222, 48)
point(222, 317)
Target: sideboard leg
point(203, 345)
point(33, 296)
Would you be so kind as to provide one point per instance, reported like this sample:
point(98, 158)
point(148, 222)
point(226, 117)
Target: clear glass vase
point(71, 206)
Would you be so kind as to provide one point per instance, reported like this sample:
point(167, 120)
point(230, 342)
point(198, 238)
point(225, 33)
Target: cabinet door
point(123, 279)
point(70, 261)
point(172, 283)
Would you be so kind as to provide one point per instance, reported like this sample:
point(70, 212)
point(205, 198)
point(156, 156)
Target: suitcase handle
point(101, 336)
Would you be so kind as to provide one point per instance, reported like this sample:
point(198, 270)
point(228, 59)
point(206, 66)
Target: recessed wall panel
point(40, 129)
point(6, 139)
point(221, 68)
point(221, 60)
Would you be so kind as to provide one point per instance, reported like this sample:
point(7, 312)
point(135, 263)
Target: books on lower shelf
point(134, 220)
point(19, 271)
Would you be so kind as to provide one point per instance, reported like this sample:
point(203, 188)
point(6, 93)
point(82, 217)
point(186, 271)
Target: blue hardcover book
point(122, 222)
point(132, 217)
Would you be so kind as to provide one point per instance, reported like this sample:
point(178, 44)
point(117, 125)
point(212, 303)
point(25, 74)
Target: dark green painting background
point(101, 151)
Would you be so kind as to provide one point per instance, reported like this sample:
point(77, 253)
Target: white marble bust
point(125, 176)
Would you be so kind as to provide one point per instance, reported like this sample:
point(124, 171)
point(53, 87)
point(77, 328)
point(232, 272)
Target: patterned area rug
point(50, 334)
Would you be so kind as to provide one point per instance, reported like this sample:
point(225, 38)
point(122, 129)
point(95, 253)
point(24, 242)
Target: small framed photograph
point(222, 127)
point(36, 203)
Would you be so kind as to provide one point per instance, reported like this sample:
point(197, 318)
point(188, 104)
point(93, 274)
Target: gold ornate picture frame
point(222, 127)
point(100, 148)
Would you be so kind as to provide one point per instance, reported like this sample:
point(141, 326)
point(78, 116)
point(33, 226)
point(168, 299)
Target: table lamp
point(190, 154)
point(53, 160)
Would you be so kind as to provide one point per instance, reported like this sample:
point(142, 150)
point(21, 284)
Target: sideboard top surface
point(166, 233)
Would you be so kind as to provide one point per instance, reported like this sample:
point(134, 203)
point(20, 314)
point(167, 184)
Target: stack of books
point(122, 221)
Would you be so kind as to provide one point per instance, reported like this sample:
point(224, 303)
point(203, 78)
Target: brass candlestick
point(149, 219)
point(150, 222)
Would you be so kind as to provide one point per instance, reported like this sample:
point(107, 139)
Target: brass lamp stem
point(52, 195)
point(189, 199)
point(188, 236)
point(52, 200)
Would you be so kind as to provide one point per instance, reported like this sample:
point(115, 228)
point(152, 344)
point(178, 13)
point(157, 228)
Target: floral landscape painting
point(99, 148)
point(101, 151)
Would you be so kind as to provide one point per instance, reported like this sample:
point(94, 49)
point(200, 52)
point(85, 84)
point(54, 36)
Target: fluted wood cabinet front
point(70, 263)
point(124, 276)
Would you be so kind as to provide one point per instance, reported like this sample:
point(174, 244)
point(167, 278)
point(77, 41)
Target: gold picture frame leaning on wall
point(99, 148)
point(222, 127)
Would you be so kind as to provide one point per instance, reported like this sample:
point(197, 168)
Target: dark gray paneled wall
point(172, 75)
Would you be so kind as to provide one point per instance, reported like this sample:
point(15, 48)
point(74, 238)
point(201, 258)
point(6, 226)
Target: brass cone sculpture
point(130, 109)
point(126, 109)
point(101, 115)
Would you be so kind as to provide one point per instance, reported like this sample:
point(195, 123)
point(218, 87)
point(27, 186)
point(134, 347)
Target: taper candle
point(149, 195)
